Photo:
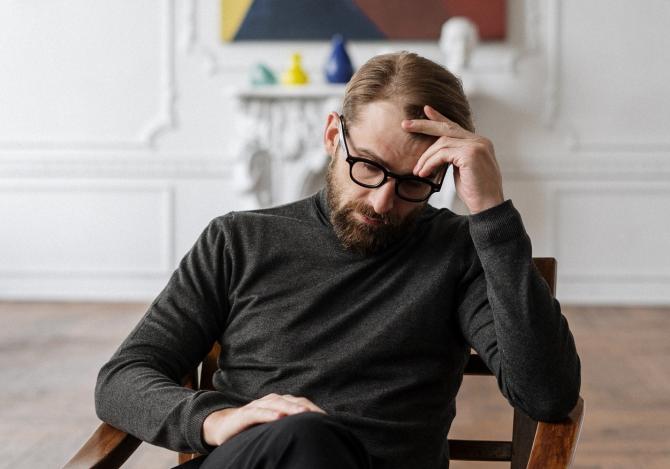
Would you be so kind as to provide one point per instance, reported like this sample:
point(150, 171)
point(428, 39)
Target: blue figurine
point(338, 68)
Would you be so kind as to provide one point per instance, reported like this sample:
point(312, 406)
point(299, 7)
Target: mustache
point(369, 212)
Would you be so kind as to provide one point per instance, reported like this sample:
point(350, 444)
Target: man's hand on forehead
point(476, 171)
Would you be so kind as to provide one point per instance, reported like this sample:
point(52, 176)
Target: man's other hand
point(222, 425)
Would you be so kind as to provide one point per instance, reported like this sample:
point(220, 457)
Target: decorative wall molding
point(532, 24)
point(191, 42)
point(596, 166)
point(133, 166)
point(165, 120)
point(279, 157)
point(553, 55)
point(167, 197)
point(82, 288)
point(156, 126)
point(550, 167)
point(577, 143)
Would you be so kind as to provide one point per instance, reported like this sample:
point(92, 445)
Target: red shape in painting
point(402, 19)
point(489, 15)
point(423, 19)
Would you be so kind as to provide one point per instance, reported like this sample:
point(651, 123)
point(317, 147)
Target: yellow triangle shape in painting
point(233, 13)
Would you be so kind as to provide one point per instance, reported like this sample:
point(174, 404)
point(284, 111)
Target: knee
point(307, 426)
point(304, 440)
point(317, 440)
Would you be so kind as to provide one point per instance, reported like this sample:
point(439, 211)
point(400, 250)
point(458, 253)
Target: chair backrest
point(517, 451)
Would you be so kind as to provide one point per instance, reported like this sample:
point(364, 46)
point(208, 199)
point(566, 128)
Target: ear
point(331, 135)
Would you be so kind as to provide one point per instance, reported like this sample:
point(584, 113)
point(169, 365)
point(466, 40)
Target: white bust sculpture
point(458, 39)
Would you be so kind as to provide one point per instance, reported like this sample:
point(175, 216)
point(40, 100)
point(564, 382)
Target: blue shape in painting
point(305, 19)
point(338, 67)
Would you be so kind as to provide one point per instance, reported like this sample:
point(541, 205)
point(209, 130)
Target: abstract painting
point(249, 20)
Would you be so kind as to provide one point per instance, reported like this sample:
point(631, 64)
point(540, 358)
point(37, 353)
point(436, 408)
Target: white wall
point(117, 139)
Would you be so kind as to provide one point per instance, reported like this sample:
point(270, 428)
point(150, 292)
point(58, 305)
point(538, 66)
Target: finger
point(277, 402)
point(442, 142)
point(272, 395)
point(304, 401)
point(436, 161)
point(301, 402)
point(269, 397)
point(434, 128)
point(444, 124)
point(434, 114)
point(249, 416)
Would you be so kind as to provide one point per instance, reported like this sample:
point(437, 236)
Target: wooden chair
point(534, 445)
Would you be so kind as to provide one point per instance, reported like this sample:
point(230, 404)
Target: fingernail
point(407, 123)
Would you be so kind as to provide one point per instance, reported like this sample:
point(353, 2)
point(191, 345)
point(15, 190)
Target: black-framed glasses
point(371, 174)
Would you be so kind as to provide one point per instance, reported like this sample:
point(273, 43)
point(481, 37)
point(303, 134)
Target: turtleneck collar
point(321, 199)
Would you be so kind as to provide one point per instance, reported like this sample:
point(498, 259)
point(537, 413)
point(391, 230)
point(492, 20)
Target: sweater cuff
point(205, 402)
point(496, 225)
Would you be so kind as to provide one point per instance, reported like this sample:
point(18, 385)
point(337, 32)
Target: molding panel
point(593, 61)
point(82, 231)
point(86, 76)
point(611, 242)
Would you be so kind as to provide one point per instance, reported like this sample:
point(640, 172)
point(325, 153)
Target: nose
point(383, 197)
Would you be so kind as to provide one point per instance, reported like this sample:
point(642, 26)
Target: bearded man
point(346, 319)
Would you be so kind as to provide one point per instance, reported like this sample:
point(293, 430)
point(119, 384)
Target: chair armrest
point(555, 443)
point(107, 448)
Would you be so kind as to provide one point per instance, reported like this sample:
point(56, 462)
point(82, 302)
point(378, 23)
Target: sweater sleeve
point(508, 315)
point(138, 390)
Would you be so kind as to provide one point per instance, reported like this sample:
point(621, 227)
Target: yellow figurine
point(295, 75)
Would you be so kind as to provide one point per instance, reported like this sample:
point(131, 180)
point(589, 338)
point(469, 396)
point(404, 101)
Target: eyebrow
point(370, 154)
point(373, 156)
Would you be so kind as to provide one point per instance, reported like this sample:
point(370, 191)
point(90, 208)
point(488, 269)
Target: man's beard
point(361, 237)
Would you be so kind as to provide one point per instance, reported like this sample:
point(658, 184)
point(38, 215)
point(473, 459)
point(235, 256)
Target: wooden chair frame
point(534, 445)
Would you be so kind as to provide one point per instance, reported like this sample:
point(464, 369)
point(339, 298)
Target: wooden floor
point(50, 354)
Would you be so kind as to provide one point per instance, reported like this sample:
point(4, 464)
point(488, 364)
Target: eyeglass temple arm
point(340, 129)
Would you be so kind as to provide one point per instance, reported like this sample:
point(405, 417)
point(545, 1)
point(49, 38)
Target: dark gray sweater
point(379, 342)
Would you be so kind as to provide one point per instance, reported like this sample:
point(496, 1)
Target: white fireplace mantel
point(279, 157)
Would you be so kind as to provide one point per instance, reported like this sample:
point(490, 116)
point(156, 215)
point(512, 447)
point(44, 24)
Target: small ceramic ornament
point(295, 75)
point(262, 75)
point(338, 68)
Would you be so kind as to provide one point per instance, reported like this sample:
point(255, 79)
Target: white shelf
point(312, 91)
point(308, 91)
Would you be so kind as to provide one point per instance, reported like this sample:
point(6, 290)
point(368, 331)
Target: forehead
point(377, 130)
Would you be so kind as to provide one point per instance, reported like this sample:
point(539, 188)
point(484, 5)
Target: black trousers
point(301, 441)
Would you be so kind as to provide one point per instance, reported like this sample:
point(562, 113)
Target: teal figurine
point(338, 68)
point(262, 75)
